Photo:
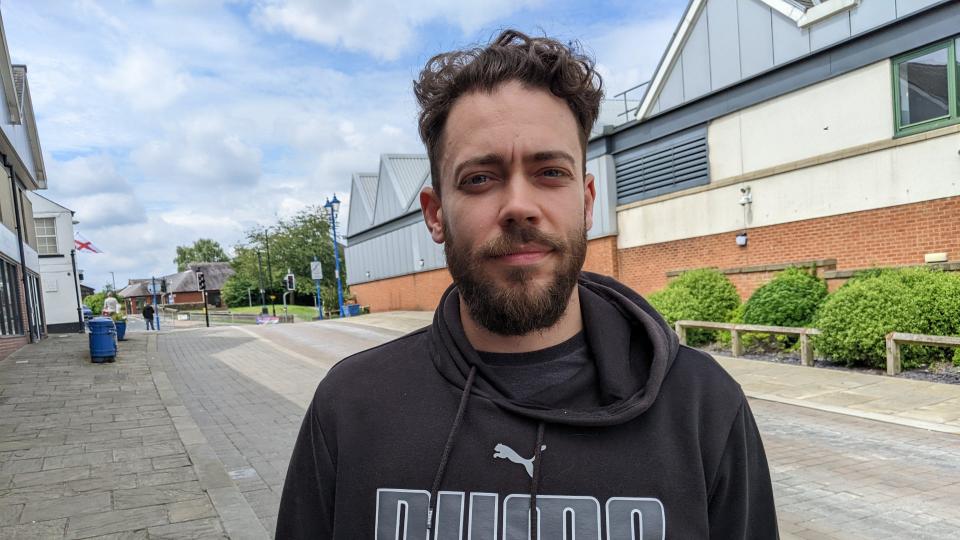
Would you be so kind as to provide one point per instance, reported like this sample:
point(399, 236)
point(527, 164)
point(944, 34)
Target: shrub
point(855, 319)
point(95, 302)
point(700, 295)
point(791, 298)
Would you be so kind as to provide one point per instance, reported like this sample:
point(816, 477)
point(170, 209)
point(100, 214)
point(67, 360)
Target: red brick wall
point(898, 235)
point(191, 297)
point(422, 291)
point(602, 256)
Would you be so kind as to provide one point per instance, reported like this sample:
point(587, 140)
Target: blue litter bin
point(352, 309)
point(103, 345)
point(121, 327)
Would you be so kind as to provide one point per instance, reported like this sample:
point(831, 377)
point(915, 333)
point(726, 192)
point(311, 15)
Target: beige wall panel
point(906, 174)
point(846, 111)
point(6, 203)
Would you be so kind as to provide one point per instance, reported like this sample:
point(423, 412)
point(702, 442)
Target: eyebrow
point(551, 155)
point(488, 159)
point(497, 159)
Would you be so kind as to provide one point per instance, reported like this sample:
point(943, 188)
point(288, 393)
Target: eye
point(475, 180)
point(554, 173)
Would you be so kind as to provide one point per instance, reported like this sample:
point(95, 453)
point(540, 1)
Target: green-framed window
point(925, 88)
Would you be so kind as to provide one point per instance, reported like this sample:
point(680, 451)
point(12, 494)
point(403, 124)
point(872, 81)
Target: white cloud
point(99, 210)
point(381, 28)
point(200, 155)
point(148, 78)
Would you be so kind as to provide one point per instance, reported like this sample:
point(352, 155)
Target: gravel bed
point(945, 372)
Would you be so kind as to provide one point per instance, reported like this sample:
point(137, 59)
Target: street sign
point(316, 272)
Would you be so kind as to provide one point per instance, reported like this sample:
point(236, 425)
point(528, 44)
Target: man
point(110, 305)
point(148, 316)
point(538, 390)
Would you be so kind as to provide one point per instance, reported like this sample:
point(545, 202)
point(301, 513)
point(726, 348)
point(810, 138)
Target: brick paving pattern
point(90, 450)
point(841, 477)
point(249, 398)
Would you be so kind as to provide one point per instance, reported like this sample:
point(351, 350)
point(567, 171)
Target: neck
point(569, 324)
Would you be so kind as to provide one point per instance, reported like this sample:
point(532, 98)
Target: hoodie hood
point(631, 344)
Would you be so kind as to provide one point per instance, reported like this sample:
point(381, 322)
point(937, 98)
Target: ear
point(589, 196)
point(432, 213)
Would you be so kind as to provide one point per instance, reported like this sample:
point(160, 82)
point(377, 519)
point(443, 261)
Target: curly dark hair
point(536, 62)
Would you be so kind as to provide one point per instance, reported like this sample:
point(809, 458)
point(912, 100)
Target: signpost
point(316, 273)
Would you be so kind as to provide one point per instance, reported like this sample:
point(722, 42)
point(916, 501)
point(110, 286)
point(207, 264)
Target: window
point(46, 236)
point(925, 88)
point(11, 319)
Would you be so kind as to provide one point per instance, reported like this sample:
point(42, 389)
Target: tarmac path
point(835, 476)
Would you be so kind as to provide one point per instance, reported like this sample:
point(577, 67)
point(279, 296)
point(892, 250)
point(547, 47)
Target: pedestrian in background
point(148, 316)
point(110, 305)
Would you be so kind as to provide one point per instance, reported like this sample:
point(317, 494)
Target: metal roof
point(408, 173)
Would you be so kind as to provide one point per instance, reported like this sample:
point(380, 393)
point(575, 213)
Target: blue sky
point(165, 121)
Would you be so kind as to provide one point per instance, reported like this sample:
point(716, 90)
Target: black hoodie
point(412, 440)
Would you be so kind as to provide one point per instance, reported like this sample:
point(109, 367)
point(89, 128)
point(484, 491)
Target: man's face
point(515, 206)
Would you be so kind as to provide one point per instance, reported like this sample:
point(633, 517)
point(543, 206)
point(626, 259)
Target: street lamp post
point(263, 303)
point(331, 209)
point(266, 239)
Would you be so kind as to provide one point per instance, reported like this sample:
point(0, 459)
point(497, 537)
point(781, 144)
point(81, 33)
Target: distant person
point(539, 390)
point(148, 314)
point(110, 305)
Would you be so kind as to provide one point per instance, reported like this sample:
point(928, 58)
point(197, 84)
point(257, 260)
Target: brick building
point(773, 133)
point(22, 315)
point(179, 289)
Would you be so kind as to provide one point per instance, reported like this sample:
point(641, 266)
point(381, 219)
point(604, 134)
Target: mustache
point(514, 237)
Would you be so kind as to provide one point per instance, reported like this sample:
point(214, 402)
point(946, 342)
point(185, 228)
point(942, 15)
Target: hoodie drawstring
point(448, 448)
point(535, 484)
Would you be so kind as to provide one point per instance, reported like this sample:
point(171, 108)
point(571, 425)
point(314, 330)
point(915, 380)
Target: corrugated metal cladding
point(395, 253)
point(663, 166)
point(732, 40)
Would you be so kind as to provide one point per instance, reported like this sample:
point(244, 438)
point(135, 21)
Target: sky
point(166, 121)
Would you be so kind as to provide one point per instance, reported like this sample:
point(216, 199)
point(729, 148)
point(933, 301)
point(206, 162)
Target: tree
point(203, 250)
point(95, 302)
point(292, 245)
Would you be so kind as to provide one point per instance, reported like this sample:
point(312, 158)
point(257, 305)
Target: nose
point(519, 204)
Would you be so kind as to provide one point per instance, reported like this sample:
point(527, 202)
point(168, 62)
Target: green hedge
point(857, 317)
point(701, 295)
point(791, 298)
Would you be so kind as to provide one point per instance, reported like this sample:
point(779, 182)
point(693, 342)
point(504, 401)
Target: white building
point(53, 224)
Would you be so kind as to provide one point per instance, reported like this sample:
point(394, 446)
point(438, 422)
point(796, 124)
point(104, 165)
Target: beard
point(520, 306)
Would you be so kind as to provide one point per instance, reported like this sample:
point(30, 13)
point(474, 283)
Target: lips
point(525, 255)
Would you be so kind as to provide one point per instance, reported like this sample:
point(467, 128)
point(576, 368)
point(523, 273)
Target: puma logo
point(503, 451)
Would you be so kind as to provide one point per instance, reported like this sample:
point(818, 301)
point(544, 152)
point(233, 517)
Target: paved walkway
point(98, 450)
point(188, 435)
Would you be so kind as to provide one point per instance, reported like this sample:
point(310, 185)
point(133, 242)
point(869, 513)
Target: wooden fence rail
point(895, 339)
point(806, 346)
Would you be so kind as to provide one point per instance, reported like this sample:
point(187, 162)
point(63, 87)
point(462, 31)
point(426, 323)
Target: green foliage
point(292, 244)
point(203, 250)
point(700, 295)
point(791, 298)
point(857, 317)
point(95, 302)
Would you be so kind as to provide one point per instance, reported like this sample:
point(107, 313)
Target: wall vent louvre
point(664, 166)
